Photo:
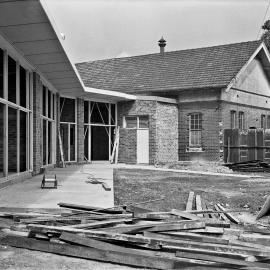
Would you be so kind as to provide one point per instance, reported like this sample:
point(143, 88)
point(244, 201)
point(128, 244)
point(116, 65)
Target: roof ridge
point(168, 52)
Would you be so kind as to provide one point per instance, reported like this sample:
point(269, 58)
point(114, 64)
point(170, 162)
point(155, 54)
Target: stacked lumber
point(176, 239)
point(249, 166)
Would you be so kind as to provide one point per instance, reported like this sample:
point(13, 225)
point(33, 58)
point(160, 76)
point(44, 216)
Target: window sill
point(194, 150)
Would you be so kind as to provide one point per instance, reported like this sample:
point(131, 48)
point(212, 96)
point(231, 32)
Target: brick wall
point(163, 130)
point(252, 114)
point(128, 146)
point(139, 107)
point(167, 132)
point(210, 130)
point(37, 136)
point(80, 130)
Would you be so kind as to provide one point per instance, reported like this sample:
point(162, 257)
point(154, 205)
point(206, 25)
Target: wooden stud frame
point(49, 119)
point(69, 124)
point(110, 125)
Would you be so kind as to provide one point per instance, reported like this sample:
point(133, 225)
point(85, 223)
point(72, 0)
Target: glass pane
point(1, 139)
point(72, 142)
point(44, 144)
point(143, 122)
point(44, 100)
point(23, 141)
point(12, 140)
point(49, 104)
point(1, 73)
point(68, 110)
point(86, 111)
point(53, 104)
point(49, 142)
point(22, 87)
point(131, 121)
point(11, 80)
point(86, 142)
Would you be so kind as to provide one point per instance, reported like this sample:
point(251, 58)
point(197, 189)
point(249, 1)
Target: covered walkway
point(72, 188)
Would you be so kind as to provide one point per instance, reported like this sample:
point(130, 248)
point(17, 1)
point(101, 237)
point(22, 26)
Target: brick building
point(169, 106)
point(188, 98)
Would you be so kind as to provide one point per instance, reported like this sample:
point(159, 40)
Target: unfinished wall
point(167, 132)
point(163, 131)
point(80, 130)
point(127, 137)
point(37, 143)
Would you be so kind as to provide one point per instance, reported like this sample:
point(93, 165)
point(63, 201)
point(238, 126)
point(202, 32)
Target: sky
point(102, 29)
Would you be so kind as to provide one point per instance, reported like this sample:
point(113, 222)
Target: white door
point(143, 146)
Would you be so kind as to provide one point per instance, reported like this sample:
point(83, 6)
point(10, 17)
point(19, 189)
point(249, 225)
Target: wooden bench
point(49, 179)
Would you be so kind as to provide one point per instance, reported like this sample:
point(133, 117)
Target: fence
point(246, 145)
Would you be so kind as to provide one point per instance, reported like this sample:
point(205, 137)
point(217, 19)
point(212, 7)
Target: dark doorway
point(99, 143)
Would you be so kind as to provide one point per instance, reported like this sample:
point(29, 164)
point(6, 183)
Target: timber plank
point(198, 205)
point(153, 240)
point(184, 214)
point(96, 254)
point(196, 237)
point(190, 201)
point(181, 225)
point(89, 208)
point(221, 215)
point(228, 215)
point(130, 229)
point(99, 224)
point(232, 262)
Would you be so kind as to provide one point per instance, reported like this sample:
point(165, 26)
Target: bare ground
point(141, 185)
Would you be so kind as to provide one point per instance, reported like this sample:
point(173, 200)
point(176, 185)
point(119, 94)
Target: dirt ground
point(18, 259)
point(235, 193)
point(133, 185)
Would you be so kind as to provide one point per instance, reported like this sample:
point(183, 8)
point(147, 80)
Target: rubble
point(204, 237)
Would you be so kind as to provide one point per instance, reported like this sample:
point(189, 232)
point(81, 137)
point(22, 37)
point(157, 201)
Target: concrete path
point(72, 188)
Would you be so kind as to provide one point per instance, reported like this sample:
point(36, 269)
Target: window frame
point(241, 120)
point(137, 121)
point(233, 119)
point(263, 121)
point(197, 130)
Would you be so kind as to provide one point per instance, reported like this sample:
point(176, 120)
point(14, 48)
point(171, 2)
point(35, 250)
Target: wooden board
point(228, 215)
point(132, 259)
point(184, 214)
point(89, 208)
point(182, 225)
point(198, 204)
point(222, 215)
point(99, 224)
point(228, 261)
point(103, 235)
point(106, 186)
point(190, 201)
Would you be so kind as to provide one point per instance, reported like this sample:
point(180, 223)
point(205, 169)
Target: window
point(195, 130)
point(131, 121)
point(241, 120)
point(268, 121)
point(138, 122)
point(263, 121)
point(233, 119)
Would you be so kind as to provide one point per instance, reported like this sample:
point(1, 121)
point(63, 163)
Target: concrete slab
point(72, 188)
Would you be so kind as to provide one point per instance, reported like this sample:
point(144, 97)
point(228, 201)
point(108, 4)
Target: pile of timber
point(198, 237)
point(250, 166)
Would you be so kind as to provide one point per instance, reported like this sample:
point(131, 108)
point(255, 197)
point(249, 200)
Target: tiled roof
point(176, 70)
